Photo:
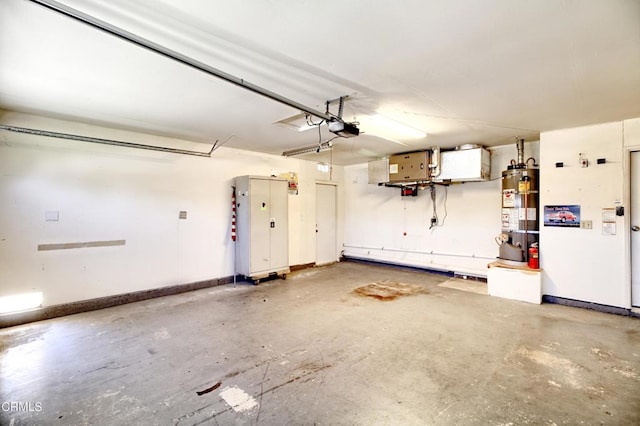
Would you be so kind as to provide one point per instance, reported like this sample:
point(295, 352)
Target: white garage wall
point(112, 193)
point(376, 219)
point(584, 264)
point(109, 193)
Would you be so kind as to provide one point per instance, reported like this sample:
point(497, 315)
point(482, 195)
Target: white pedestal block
point(515, 283)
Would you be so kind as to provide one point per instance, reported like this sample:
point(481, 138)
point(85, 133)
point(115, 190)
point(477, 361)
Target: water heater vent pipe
point(520, 146)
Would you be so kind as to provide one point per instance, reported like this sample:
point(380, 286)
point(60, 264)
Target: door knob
point(635, 228)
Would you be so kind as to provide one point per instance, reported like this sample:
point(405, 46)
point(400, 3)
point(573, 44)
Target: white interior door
point(326, 218)
point(635, 228)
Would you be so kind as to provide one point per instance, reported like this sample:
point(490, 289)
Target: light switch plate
point(51, 216)
point(586, 224)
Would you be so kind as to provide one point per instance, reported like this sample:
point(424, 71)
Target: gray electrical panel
point(262, 243)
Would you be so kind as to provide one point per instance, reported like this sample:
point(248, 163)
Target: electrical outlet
point(586, 224)
point(584, 162)
point(51, 216)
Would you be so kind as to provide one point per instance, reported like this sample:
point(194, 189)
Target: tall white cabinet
point(262, 242)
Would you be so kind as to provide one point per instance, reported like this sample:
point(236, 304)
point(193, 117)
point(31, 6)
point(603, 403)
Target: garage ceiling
point(480, 71)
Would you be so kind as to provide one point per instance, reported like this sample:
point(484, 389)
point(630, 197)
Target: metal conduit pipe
point(473, 256)
point(104, 141)
point(176, 56)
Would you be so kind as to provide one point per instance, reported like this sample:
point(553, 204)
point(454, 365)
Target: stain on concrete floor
point(388, 290)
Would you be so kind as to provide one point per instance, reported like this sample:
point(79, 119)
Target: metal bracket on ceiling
point(340, 101)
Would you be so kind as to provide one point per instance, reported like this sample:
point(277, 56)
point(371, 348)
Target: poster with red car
point(565, 216)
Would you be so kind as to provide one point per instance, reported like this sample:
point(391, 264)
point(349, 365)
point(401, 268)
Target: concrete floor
point(309, 351)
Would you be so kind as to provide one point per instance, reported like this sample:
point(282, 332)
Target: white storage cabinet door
point(278, 225)
point(259, 226)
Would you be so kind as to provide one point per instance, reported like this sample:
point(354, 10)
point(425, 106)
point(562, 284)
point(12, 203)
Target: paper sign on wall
point(608, 221)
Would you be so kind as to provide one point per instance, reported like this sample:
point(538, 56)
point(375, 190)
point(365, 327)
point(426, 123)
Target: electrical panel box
point(410, 167)
point(465, 165)
point(379, 171)
point(262, 242)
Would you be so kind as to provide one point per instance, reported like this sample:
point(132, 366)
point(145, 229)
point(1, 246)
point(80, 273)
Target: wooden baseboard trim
point(399, 266)
point(55, 311)
point(302, 266)
point(48, 312)
point(589, 305)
